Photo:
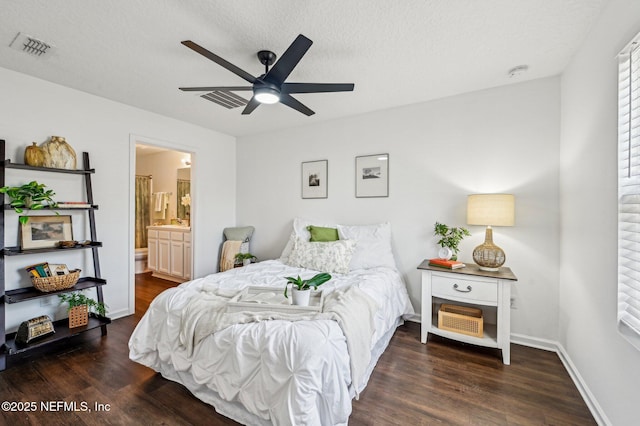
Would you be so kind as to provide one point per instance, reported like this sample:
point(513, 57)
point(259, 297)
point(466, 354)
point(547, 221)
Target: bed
point(277, 368)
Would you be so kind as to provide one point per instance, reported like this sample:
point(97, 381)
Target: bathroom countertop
point(176, 227)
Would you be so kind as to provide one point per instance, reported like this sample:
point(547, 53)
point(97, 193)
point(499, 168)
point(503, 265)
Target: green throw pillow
point(319, 234)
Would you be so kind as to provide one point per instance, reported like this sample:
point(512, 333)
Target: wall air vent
point(31, 45)
point(226, 99)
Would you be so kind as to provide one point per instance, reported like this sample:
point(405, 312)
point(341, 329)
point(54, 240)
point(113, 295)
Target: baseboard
point(553, 346)
point(413, 318)
point(534, 342)
point(118, 314)
point(589, 399)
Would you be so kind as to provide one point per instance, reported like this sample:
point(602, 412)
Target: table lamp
point(490, 210)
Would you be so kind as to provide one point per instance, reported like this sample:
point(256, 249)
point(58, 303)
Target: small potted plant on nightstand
point(79, 308)
point(449, 240)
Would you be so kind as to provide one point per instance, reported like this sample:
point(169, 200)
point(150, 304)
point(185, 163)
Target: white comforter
point(283, 372)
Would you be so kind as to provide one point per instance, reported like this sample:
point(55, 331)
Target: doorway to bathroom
point(162, 204)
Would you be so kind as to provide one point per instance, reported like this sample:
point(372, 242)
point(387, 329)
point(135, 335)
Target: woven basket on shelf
point(58, 282)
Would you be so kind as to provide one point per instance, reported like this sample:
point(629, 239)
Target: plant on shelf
point(241, 258)
point(76, 299)
point(31, 195)
point(450, 238)
point(301, 288)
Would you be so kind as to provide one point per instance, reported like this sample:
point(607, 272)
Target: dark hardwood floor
point(413, 384)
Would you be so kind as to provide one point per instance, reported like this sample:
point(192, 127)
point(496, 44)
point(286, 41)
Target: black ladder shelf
point(8, 345)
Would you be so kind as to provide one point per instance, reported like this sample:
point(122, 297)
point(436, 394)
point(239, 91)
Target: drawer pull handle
point(456, 288)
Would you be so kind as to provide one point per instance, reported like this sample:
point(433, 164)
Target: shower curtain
point(143, 211)
point(184, 188)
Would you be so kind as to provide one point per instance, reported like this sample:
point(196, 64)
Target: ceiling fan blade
point(219, 89)
point(316, 87)
point(290, 101)
point(218, 60)
point(253, 104)
point(288, 61)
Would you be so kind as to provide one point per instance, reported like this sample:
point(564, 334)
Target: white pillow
point(300, 231)
point(374, 245)
point(300, 227)
point(286, 252)
point(334, 256)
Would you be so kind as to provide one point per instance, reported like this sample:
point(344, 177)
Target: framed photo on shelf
point(314, 179)
point(372, 176)
point(45, 231)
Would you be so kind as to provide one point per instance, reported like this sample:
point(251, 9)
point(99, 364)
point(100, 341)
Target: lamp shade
point(491, 209)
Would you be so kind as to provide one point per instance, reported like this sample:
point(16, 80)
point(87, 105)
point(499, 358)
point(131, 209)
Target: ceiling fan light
point(267, 95)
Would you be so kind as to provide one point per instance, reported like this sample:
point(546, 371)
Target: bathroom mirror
point(184, 193)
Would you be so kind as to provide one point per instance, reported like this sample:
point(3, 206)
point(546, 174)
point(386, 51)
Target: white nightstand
point(469, 286)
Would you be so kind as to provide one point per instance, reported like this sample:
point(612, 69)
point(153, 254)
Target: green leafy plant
point(31, 195)
point(77, 299)
point(242, 256)
point(301, 284)
point(450, 237)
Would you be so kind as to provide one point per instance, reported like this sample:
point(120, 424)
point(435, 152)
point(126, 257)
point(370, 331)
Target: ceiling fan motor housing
point(266, 93)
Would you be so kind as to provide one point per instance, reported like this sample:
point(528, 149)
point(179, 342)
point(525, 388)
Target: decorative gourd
point(58, 154)
point(33, 156)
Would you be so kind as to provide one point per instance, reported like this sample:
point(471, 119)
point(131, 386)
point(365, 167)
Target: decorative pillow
point(374, 245)
point(300, 227)
point(321, 234)
point(324, 257)
point(300, 231)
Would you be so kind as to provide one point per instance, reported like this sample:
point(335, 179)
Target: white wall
point(498, 140)
point(33, 109)
point(588, 302)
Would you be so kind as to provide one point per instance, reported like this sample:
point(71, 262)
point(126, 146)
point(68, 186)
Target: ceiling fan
point(270, 87)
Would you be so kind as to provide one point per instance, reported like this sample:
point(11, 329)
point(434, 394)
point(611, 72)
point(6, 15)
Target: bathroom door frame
point(173, 146)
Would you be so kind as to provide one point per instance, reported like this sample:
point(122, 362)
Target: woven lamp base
point(488, 256)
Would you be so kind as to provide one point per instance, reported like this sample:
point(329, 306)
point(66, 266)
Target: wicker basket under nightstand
point(461, 319)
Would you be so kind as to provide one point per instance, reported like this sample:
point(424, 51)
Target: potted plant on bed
point(301, 289)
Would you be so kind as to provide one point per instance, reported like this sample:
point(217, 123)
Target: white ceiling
point(396, 52)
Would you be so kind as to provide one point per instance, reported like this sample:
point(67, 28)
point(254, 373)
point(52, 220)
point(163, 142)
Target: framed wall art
point(45, 231)
point(314, 179)
point(372, 176)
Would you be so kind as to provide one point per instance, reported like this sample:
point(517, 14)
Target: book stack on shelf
point(448, 264)
point(46, 269)
point(73, 205)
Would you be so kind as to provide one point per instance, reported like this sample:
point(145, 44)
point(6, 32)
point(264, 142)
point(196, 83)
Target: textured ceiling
point(396, 52)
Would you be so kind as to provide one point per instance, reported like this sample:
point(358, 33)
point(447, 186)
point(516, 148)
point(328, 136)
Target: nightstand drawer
point(461, 288)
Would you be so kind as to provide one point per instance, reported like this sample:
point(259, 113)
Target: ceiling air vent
point(226, 99)
point(32, 46)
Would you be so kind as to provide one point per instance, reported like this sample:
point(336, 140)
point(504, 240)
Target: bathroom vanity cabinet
point(169, 255)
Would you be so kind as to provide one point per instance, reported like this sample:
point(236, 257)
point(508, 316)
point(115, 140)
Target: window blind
point(629, 192)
